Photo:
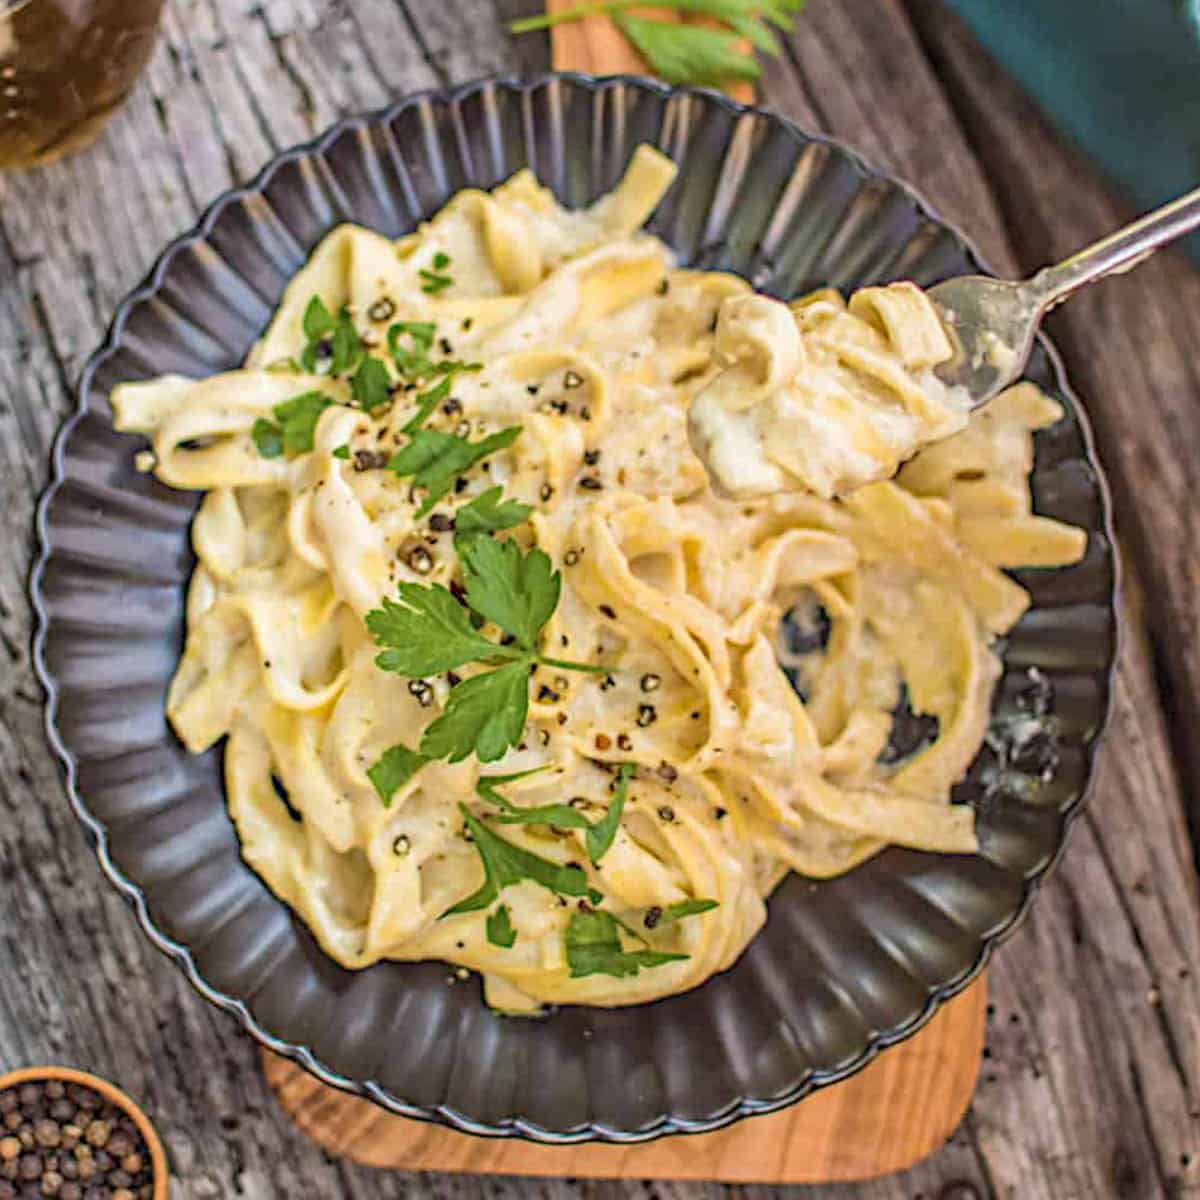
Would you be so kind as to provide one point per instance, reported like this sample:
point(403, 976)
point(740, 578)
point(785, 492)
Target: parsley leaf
point(412, 361)
point(601, 835)
point(333, 345)
point(434, 281)
point(298, 420)
point(500, 931)
point(342, 451)
point(518, 591)
point(435, 459)
point(427, 632)
point(484, 715)
point(593, 944)
point(371, 385)
point(317, 321)
point(426, 403)
point(347, 345)
point(393, 770)
point(562, 816)
point(688, 53)
point(488, 512)
point(505, 864)
point(268, 437)
point(686, 908)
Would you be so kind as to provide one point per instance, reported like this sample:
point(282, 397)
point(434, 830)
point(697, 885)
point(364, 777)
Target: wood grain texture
point(1091, 1089)
point(890, 1115)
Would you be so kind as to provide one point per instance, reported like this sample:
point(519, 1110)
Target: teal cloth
point(1120, 77)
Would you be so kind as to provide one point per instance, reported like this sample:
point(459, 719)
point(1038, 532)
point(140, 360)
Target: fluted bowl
point(843, 967)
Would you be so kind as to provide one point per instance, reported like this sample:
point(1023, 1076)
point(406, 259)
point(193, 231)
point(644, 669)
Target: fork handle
point(1120, 251)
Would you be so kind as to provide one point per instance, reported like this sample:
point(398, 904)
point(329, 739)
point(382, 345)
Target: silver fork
point(991, 322)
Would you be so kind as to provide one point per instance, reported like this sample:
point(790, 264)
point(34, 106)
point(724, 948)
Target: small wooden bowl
point(116, 1097)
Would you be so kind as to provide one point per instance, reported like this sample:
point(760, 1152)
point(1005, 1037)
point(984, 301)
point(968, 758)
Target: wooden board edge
point(899, 1109)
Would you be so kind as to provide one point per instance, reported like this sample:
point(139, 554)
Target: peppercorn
point(8, 1102)
point(591, 457)
point(667, 773)
point(416, 556)
point(370, 460)
point(55, 1089)
point(572, 379)
point(591, 483)
point(71, 1191)
point(62, 1111)
point(7, 1191)
point(10, 1148)
point(571, 557)
point(26, 1138)
point(70, 1135)
point(651, 683)
point(545, 491)
point(97, 1133)
point(47, 1133)
point(31, 1166)
point(120, 1144)
point(647, 715)
point(603, 741)
point(30, 1094)
point(609, 611)
point(441, 522)
point(400, 847)
point(652, 917)
point(423, 690)
point(52, 1183)
point(666, 813)
point(624, 742)
point(382, 310)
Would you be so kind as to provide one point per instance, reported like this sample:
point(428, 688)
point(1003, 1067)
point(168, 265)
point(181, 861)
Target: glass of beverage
point(65, 67)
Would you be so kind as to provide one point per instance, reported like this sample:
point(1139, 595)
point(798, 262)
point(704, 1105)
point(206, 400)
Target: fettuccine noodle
point(594, 344)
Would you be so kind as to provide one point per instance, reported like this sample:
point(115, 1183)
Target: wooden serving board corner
point(896, 1111)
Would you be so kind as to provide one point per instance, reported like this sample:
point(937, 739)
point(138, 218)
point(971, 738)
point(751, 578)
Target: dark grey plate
point(842, 968)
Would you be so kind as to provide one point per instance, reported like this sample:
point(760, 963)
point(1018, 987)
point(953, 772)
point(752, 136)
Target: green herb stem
point(567, 665)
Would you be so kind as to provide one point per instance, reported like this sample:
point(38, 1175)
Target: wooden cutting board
point(890, 1115)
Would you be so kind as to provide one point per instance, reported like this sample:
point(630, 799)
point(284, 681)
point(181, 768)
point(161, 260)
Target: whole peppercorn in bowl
point(73, 1136)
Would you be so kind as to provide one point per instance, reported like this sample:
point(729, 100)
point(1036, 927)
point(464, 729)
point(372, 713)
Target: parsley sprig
point(435, 459)
point(488, 512)
point(427, 631)
point(434, 281)
point(690, 53)
point(292, 430)
point(600, 836)
point(593, 944)
point(505, 863)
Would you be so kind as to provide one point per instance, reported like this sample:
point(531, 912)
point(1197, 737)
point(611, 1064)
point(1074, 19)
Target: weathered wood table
point(1091, 1086)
